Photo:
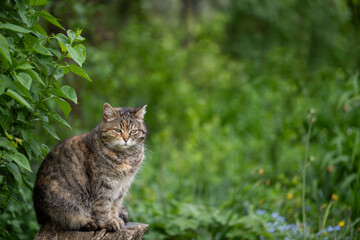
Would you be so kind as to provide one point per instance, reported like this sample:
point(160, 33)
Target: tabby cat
point(82, 181)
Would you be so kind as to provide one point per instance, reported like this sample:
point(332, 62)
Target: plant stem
point(304, 177)
point(325, 219)
point(47, 85)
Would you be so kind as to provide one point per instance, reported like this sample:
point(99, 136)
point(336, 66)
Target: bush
point(32, 66)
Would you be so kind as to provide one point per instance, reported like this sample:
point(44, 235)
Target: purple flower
point(330, 229)
point(260, 212)
point(282, 219)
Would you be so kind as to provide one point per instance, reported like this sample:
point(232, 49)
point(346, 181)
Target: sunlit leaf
point(78, 53)
point(79, 71)
point(71, 34)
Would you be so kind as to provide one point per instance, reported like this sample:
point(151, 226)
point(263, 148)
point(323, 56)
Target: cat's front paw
point(114, 224)
point(90, 226)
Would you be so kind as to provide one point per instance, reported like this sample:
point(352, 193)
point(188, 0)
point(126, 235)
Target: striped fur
point(82, 182)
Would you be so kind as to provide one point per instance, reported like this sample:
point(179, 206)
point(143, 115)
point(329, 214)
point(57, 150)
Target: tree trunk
point(131, 231)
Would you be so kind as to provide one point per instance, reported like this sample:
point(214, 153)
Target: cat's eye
point(117, 130)
point(132, 132)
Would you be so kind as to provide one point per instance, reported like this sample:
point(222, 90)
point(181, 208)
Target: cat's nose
point(126, 139)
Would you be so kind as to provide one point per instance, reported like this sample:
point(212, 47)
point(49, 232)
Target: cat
point(82, 182)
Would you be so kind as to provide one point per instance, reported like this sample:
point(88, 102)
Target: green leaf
point(50, 18)
point(35, 76)
point(20, 89)
point(4, 48)
point(24, 65)
point(14, 28)
point(69, 92)
point(79, 71)
point(78, 31)
point(66, 69)
point(41, 49)
point(38, 2)
point(34, 146)
point(37, 28)
point(29, 41)
point(59, 73)
point(21, 161)
point(58, 118)
point(22, 11)
point(6, 120)
point(5, 83)
point(6, 144)
point(4, 200)
point(26, 134)
point(71, 34)
point(28, 184)
point(24, 79)
point(55, 51)
point(78, 37)
point(78, 53)
point(45, 149)
point(50, 130)
point(27, 148)
point(14, 169)
point(63, 41)
point(18, 98)
point(21, 118)
point(64, 105)
point(32, 20)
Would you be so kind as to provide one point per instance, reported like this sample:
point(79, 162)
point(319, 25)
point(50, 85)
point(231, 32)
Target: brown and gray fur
point(82, 182)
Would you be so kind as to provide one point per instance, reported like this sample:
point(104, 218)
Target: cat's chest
point(129, 164)
point(122, 186)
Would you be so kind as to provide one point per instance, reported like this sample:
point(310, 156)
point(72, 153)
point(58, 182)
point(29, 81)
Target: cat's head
point(124, 127)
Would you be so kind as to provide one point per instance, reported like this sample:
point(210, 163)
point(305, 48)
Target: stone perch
point(131, 231)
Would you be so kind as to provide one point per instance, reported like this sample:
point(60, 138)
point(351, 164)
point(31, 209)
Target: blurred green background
point(232, 87)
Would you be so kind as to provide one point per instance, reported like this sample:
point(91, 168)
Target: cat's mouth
point(124, 145)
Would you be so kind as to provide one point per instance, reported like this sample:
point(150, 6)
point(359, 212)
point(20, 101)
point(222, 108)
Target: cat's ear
point(109, 112)
point(140, 112)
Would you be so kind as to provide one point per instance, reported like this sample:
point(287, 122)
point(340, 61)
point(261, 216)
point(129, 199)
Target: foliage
point(32, 66)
